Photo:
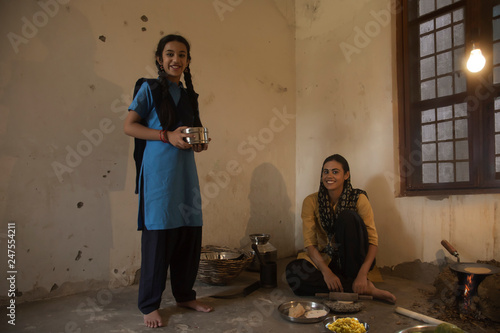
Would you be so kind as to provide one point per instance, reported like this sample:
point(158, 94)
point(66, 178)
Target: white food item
point(315, 313)
point(296, 311)
point(477, 270)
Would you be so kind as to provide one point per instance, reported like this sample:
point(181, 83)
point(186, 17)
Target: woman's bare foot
point(153, 319)
point(381, 294)
point(195, 305)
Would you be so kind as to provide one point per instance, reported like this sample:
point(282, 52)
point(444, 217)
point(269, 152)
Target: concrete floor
point(115, 310)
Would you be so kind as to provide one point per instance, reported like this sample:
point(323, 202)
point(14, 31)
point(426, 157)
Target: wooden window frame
point(479, 95)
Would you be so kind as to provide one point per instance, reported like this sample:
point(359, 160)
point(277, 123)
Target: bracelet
point(162, 136)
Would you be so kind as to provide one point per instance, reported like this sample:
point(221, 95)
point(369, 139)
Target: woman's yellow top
point(315, 235)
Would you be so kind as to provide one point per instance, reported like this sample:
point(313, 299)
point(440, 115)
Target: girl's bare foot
point(381, 294)
point(195, 305)
point(153, 319)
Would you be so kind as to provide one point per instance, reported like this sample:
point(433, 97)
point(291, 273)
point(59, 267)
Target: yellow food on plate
point(346, 325)
point(296, 311)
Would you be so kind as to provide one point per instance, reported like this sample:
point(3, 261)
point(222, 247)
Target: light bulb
point(476, 61)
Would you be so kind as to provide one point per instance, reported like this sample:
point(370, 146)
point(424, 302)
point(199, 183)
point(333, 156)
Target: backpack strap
point(140, 144)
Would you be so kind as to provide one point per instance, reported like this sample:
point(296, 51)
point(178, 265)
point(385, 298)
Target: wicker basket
point(216, 271)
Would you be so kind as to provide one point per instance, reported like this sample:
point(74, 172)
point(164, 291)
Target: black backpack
point(140, 144)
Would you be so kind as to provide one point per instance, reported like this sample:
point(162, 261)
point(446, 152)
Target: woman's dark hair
point(337, 158)
point(166, 113)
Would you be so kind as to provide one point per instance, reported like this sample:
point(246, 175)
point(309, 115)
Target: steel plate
point(284, 307)
point(419, 329)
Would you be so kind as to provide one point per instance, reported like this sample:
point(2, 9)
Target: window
point(449, 118)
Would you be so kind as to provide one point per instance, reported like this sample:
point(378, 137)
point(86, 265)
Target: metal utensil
point(256, 249)
point(469, 267)
point(200, 135)
point(284, 308)
point(268, 270)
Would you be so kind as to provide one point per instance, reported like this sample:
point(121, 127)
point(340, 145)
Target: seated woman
point(340, 238)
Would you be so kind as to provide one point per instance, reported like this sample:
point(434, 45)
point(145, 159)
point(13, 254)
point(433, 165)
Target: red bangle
point(162, 136)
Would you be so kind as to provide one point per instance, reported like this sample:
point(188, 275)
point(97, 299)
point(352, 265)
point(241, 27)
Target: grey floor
point(115, 310)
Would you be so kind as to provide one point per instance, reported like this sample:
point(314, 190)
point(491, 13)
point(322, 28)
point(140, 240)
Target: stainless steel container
point(200, 135)
point(266, 250)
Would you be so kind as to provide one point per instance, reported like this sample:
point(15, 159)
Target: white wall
point(347, 104)
point(278, 95)
point(59, 80)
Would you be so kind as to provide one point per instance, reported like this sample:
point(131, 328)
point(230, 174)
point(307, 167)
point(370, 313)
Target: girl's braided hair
point(166, 114)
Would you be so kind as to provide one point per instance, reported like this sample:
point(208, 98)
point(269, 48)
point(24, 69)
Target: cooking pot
point(478, 270)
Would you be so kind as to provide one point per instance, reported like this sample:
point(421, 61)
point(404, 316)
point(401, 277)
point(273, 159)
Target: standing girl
point(169, 211)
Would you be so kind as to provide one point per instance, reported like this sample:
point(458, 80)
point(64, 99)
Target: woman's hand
point(360, 284)
point(332, 281)
point(176, 138)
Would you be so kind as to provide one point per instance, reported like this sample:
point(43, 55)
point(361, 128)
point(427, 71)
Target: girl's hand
point(332, 281)
point(201, 146)
point(176, 138)
point(360, 284)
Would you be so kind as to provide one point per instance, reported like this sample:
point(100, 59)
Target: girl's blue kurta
point(169, 187)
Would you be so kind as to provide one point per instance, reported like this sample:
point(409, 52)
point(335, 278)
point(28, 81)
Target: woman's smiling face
point(174, 60)
point(333, 176)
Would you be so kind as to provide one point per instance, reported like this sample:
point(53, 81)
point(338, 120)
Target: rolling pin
point(418, 316)
point(338, 296)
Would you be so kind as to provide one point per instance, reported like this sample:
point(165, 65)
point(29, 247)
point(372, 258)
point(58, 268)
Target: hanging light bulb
point(476, 60)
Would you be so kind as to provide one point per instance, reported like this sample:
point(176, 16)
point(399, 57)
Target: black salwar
point(351, 238)
point(178, 249)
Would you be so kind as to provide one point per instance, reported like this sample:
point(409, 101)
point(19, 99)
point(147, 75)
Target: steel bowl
point(285, 307)
point(200, 135)
point(331, 320)
point(260, 238)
